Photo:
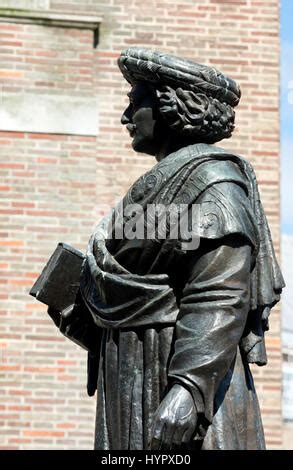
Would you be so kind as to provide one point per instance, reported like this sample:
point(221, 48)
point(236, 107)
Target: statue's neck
point(170, 145)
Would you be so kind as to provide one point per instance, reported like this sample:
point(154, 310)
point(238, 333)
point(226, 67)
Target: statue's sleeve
point(212, 317)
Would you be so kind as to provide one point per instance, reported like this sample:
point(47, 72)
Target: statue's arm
point(210, 323)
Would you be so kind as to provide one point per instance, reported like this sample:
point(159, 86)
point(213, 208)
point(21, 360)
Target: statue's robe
point(163, 314)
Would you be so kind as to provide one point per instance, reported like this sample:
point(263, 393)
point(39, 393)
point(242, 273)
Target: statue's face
point(141, 119)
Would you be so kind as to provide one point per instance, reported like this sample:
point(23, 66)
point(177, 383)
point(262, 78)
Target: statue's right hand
point(174, 421)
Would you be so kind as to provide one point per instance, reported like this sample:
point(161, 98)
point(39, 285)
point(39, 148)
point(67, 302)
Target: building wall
point(56, 185)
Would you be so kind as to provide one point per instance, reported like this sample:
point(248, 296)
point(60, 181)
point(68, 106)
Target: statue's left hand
point(61, 319)
point(175, 420)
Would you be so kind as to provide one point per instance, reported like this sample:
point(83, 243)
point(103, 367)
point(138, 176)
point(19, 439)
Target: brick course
point(56, 187)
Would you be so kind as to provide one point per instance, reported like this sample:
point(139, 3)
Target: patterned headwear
point(137, 64)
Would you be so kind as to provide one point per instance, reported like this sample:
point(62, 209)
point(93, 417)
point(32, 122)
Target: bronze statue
point(172, 325)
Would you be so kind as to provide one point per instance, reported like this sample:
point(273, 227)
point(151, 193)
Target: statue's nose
point(126, 118)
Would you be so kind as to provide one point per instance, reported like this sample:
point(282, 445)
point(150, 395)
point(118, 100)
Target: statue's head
point(175, 98)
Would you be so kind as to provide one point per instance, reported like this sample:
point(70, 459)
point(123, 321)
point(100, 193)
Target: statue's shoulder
point(222, 185)
point(225, 209)
point(216, 165)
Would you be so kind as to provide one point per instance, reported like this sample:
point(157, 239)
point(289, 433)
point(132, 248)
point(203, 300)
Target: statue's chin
point(143, 146)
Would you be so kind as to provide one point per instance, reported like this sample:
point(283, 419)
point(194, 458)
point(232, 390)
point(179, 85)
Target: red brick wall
point(53, 187)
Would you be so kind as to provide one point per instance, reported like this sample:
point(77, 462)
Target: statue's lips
point(131, 129)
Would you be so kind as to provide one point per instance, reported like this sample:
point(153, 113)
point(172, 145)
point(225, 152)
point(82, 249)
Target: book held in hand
point(58, 284)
